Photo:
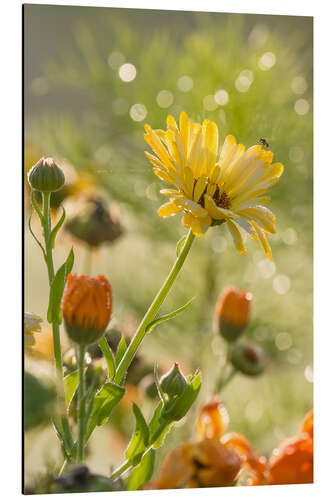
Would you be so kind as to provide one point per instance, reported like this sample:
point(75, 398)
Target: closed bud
point(46, 176)
point(96, 224)
point(173, 383)
point(248, 359)
point(232, 313)
point(86, 307)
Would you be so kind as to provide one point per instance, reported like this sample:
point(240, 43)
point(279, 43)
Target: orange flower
point(254, 463)
point(292, 461)
point(204, 464)
point(213, 420)
point(232, 312)
point(86, 307)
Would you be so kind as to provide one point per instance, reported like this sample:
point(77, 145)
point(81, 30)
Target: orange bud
point(86, 307)
point(232, 313)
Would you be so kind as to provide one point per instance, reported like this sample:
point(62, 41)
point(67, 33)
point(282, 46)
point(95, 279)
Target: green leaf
point(166, 317)
point(57, 289)
point(180, 244)
point(142, 472)
point(35, 237)
point(158, 427)
point(71, 382)
point(104, 402)
point(121, 349)
point(140, 437)
point(109, 358)
point(57, 227)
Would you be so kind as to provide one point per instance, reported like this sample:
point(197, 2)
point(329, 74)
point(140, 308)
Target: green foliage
point(140, 437)
point(121, 349)
point(57, 289)
point(104, 402)
point(142, 472)
point(38, 401)
point(70, 383)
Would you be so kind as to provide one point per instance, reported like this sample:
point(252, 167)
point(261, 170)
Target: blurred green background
point(93, 77)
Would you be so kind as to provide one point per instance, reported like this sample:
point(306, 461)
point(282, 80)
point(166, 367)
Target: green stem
point(46, 222)
point(153, 309)
point(81, 404)
point(50, 270)
point(121, 469)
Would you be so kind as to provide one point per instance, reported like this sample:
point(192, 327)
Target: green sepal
point(168, 316)
point(142, 472)
point(57, 289)
point(140, 437)
point(177, 408)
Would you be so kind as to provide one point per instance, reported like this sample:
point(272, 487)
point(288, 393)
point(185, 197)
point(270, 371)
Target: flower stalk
point(80, 352)
point(153, 309)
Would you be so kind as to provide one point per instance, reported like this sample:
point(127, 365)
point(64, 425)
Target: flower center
point(220, 197)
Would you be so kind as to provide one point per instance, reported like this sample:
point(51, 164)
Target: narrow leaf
point(57, 289)
point(35, 237)
point(109, 358)
point(140, 437)
point(57, 227)
point(142, 472)
point(121, 349)
point(71, 382)
point(168, 316)
point(180, 245)
point(104, 402)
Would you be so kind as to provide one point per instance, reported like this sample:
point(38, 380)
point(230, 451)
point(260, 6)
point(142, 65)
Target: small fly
point(263, 142)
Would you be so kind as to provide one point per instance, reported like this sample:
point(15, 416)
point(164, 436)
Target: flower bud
point(248, 359)
point(46, 176)
point(232, 313)
point(173, 383)
point(86, 307)
point(96, 224)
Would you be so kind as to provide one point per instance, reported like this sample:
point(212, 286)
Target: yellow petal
point(210, 144)
point(198, 225)
point(155, 143)
point(263, 240)
point(263, 220)
point(184, 130)
point(168, 209)
point(216, 212)
point(188, 181)
point(171, 192)
point(199, 187)
point(166, 176)
point(237, 237)
point(171, 122)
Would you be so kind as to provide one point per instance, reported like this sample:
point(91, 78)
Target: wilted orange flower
point(232, 312)
point(204, 464)
point(292, 461)
point(86, 307)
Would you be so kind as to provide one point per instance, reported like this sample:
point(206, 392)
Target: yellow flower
point(210, 191)
point(31, 325)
